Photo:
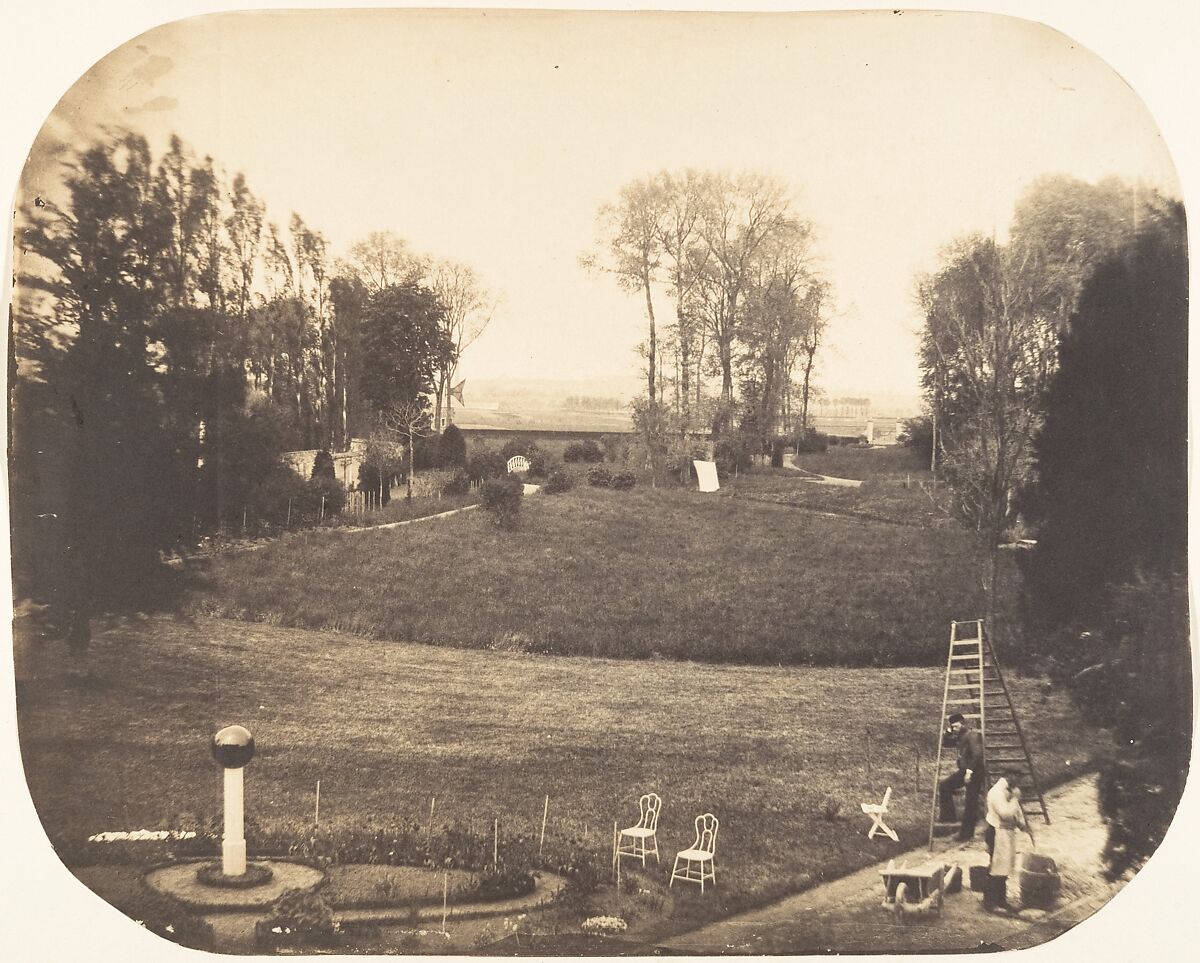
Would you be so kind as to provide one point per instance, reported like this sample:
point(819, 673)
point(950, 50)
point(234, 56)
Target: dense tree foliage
point(169, 343)
point(1111, 489)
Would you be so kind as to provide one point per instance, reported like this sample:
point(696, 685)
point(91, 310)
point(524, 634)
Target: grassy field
point(642, 574)
point(782, 756)
point(896, 487)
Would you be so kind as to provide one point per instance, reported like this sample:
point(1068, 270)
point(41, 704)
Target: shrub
point(427, 452)
point(539, 463)
point(298, 916)
point(323, 466)
point(486, 464)
point(332, 491)
point(599, 477)
point(778, 444)
point(622, 481)
point(501, 498)
point(809, 440)
point(507, 882)
point(453, 447)
point(169, 918)
point(559, 481)
point(517, 446)
point(583, 451)
point(459, 484)
point(733, 453)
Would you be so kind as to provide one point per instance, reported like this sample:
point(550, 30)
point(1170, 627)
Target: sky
point(492, 137)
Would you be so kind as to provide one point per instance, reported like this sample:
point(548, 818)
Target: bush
point(331, 490)
point(507, 882)
point(459, 484)
point(539, 463)
point(486, 464)
point(809, 441)
point(559, 481)
point(733, 453)
point(169, 918)
point(298, 916)
point(599, 477)
point(501, 498)
point(622, 481)
point(453, 447)
point(583, 451)
point(777, 446)
point(517, 446)
point(323, 466)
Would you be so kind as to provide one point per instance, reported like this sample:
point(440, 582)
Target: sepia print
point(557, 483)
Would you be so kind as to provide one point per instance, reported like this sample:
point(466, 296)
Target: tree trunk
point(653, 341)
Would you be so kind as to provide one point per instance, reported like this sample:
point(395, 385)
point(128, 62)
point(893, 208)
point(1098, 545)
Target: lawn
point(649, 573)
point(782, 755)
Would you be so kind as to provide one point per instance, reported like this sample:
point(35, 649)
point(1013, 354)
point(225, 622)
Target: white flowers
point(140, 834)
point(603, 925)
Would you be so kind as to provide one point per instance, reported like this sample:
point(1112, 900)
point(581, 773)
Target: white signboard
point(706, 471)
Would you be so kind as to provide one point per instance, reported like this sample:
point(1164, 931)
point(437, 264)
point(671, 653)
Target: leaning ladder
point(975, 687)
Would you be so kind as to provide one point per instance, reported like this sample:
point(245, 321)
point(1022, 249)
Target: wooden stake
point(322, 518)
point(432, 801)
point(545, 813)
point(317, 813)
point(916, 772)
point(615, 859)
point(868, 751)
point(289, 515)
point(496, 843)
point(445, 898)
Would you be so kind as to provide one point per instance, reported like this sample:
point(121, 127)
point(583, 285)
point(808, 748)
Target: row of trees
point(173, 341)
point(750, 307)
point(1055, 371)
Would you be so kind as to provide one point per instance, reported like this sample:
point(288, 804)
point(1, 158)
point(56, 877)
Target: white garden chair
point(641, 839)
point(698, 862)
point(877, 811)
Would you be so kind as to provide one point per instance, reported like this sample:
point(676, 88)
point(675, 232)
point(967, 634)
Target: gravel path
point(846, 916)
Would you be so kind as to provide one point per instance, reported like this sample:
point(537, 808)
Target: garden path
point(816, 479)
point(846, 915)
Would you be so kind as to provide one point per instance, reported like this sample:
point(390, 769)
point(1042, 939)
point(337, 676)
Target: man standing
point(1004, 818)
point(970, 773)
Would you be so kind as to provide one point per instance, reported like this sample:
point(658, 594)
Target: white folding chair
point(642, 838)
point(877, 811)
point(699, 860)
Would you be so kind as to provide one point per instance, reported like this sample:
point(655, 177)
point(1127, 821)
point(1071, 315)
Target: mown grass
point(895, 487)
point(648, 573)
point(387, 726)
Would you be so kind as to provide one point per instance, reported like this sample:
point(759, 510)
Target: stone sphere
point(233, 747)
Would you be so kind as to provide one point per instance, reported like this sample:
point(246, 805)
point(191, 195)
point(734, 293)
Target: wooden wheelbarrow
point(918, 890)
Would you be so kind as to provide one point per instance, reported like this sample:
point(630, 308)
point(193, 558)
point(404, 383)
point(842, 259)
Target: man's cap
point(956, 717)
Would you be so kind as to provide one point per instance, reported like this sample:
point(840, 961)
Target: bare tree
point(468, 311)
point(630, 248)
point(382, 259)
point(739, 213)
point(408, 420)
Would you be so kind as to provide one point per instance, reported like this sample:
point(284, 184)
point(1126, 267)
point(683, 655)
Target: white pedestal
point(233, 846)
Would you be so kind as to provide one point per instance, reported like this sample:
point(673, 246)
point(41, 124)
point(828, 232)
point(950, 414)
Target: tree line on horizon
point(169, 342)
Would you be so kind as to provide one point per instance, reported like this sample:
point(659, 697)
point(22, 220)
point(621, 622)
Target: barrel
point(1040, 881)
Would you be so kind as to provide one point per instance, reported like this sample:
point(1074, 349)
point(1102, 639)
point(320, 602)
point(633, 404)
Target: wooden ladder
point(975, 688)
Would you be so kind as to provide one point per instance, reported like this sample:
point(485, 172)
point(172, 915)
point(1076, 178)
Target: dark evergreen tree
point(1111, 490)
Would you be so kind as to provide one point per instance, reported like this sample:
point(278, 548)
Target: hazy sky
point(492, 137)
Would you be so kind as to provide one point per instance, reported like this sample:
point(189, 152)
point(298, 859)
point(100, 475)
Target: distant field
point(782, 756)
point(647, 573)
